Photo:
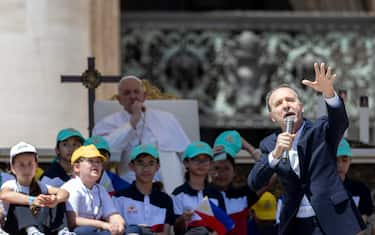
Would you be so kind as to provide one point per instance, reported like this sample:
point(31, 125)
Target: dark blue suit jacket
point(317, 147)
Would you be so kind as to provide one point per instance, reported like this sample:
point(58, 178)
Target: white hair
point(128, 77)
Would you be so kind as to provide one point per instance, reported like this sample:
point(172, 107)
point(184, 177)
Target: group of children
point(79, 195)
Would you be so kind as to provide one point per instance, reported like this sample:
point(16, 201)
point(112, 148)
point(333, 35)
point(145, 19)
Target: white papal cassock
point(155, 127)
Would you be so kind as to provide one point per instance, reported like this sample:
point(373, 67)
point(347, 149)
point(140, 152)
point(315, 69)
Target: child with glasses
point(90, 209)
point(145, 208)
point(31, 207)
point(109, 180)
point(197, 159)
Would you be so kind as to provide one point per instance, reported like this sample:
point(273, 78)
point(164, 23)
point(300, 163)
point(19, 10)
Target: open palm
point(323, 80)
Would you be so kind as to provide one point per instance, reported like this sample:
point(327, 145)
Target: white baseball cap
point(22, 147)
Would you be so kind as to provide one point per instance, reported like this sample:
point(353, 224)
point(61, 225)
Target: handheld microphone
point(289, 121)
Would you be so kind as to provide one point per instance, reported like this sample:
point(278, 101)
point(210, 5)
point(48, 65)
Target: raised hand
point(323, 80)
point(136, 110)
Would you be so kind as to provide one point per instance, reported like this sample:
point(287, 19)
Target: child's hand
point(105, 226)
point(51, 201)
point(116, 229)
point(187, 215)
point(43, 200)
point(39, 201)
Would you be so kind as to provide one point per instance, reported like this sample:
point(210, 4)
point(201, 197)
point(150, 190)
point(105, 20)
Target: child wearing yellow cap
point(109, 180)
point(31, 207)
point(90, 209)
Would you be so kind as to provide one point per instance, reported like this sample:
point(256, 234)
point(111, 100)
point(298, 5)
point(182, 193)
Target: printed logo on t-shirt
point(132, 210)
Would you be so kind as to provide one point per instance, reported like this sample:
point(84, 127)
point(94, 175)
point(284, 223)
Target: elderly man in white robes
point(137, 125)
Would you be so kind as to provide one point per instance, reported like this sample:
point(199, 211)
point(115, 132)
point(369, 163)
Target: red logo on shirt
point(132, 210)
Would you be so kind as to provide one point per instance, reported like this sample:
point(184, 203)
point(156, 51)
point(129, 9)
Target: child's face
point(222, 173)
point(199, 165)
point(89, 169)
point(66, 148)
point(145, 168)
point(24, 166)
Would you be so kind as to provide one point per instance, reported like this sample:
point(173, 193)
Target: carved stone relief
point(230, 70)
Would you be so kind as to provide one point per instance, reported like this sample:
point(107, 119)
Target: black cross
point(91, 79)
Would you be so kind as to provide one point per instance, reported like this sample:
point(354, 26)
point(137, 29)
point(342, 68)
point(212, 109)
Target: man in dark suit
point(315, 200)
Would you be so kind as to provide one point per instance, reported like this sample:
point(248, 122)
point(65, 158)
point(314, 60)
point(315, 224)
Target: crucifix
point(91, 79)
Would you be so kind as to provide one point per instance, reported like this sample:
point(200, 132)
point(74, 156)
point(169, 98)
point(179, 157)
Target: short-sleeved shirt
point(94, 203)
point(237, 202)
point(5, 177)
point(153, 210)
point(186, 198)
point(361, 195)
point(15, 186)
point(55, 175)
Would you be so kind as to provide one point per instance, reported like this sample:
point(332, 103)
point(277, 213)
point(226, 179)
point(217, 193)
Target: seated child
point(31, 207)
point(187, 197)
point(90, 209)
point(60, 170)
point(145, 208)
point(109, 180)
point(237, 200)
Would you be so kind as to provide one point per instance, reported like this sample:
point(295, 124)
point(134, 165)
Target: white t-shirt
point(94, 203)
point(15, 186)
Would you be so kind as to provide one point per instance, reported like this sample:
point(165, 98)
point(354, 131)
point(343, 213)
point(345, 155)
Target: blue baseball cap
point(99, 142)
point(67, 133)
point(144, 149)
point(231, 142)
point(344, 149)
point(196, 148)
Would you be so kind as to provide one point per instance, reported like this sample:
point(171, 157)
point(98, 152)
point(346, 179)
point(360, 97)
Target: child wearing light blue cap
point(237, 200)
point(145, 208)
point(361, 194)
point(197, 159)
point(60, 171)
